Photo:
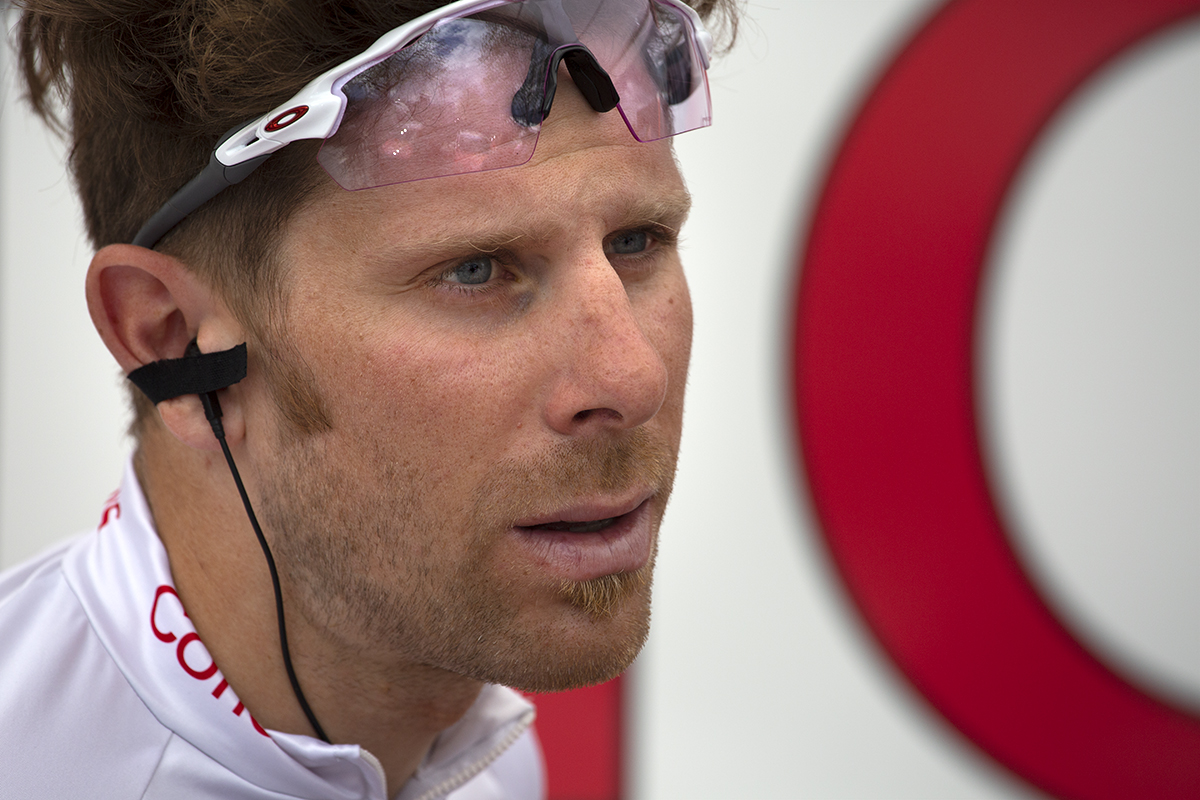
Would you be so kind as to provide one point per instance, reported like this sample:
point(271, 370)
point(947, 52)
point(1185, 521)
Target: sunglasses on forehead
point(466, 89)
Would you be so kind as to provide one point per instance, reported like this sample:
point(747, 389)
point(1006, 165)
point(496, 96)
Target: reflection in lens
point(432, 109)
point(528, 104)
point(469, 95)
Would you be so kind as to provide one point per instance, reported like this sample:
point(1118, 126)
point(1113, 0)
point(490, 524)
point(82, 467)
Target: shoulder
point(73, 727)
point(39, 616)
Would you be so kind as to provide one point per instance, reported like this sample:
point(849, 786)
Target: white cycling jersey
point(106, 691)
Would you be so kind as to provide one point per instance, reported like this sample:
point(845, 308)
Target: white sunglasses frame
point(316, 111)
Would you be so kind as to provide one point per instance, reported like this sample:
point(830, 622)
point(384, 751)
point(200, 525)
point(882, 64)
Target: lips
point(587, 511)
point(590, 539)
point(576, 527)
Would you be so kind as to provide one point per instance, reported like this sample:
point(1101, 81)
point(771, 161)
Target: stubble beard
point(601, 597)
point(359, 550)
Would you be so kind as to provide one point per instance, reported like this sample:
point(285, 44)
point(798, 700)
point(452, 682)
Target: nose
point(610, 375)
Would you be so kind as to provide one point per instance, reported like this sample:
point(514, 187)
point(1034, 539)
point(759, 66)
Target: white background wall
point(759, 681)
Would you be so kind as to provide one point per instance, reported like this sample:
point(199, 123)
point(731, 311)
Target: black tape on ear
point(192, 374)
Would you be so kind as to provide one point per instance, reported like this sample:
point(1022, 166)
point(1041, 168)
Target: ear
point(148, 306)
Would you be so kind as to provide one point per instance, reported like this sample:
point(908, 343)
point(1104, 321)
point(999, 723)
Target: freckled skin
point(458, 409)
point(459, 417)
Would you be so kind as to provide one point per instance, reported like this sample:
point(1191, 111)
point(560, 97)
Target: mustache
point(520, 488)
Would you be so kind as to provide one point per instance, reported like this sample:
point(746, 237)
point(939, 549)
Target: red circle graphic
point(883, 353)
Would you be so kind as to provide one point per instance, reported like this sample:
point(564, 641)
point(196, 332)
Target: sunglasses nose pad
point(589, 77)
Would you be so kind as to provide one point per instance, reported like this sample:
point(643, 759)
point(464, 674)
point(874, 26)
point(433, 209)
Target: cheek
point(448, 403)
point(683, 323)
point(670, 329)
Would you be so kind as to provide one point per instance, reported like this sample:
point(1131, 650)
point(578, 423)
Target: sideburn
point(293, 387)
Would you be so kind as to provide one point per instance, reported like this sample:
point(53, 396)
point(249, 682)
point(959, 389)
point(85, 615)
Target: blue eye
point(629, 243)
point(472, 272)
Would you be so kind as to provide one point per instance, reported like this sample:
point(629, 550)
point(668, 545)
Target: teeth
point(576, 527)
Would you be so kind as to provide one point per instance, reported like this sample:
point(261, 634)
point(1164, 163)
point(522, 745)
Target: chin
point(582, 645)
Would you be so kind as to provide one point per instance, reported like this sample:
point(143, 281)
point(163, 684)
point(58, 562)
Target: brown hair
point(149, 86)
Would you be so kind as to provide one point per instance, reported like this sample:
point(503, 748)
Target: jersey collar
point(123, 580)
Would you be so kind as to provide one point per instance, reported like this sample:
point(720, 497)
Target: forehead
point(586, 167)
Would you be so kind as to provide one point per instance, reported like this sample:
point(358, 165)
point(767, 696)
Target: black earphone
point(205, 374)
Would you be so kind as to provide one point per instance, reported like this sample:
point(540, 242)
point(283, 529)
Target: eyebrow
point(668, 212)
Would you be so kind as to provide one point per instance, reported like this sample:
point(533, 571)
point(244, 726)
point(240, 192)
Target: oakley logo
point(201, 672)
point(286, 118)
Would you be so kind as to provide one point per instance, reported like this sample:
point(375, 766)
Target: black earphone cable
point(212, 410)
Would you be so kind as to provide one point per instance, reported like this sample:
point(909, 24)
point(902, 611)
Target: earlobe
point(147, 306)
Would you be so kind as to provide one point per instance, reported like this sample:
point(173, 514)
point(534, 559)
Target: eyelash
point(466, 290)
point(659, 237)
point(501, 273)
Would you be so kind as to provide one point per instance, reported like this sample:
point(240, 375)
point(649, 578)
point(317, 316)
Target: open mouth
point(592, 526)
point(590, 539)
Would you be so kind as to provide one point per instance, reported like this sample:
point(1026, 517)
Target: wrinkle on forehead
point(523, 206)
point(587, 170)
point(668, 212)
point(391, 238)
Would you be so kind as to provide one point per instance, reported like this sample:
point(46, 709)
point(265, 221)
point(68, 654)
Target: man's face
point(501, 359)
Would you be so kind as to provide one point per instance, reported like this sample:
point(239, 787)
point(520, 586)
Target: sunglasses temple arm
point(212, 180)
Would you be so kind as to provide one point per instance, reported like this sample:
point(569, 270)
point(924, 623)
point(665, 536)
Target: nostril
point(590, 413)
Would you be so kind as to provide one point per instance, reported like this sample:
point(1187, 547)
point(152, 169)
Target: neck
point(392, 708)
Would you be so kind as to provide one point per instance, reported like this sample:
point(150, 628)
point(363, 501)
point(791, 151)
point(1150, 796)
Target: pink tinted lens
point(444, 104)
point(435, 108)
point(650, 53)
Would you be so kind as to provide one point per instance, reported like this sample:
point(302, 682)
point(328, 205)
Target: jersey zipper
point(467, 773)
